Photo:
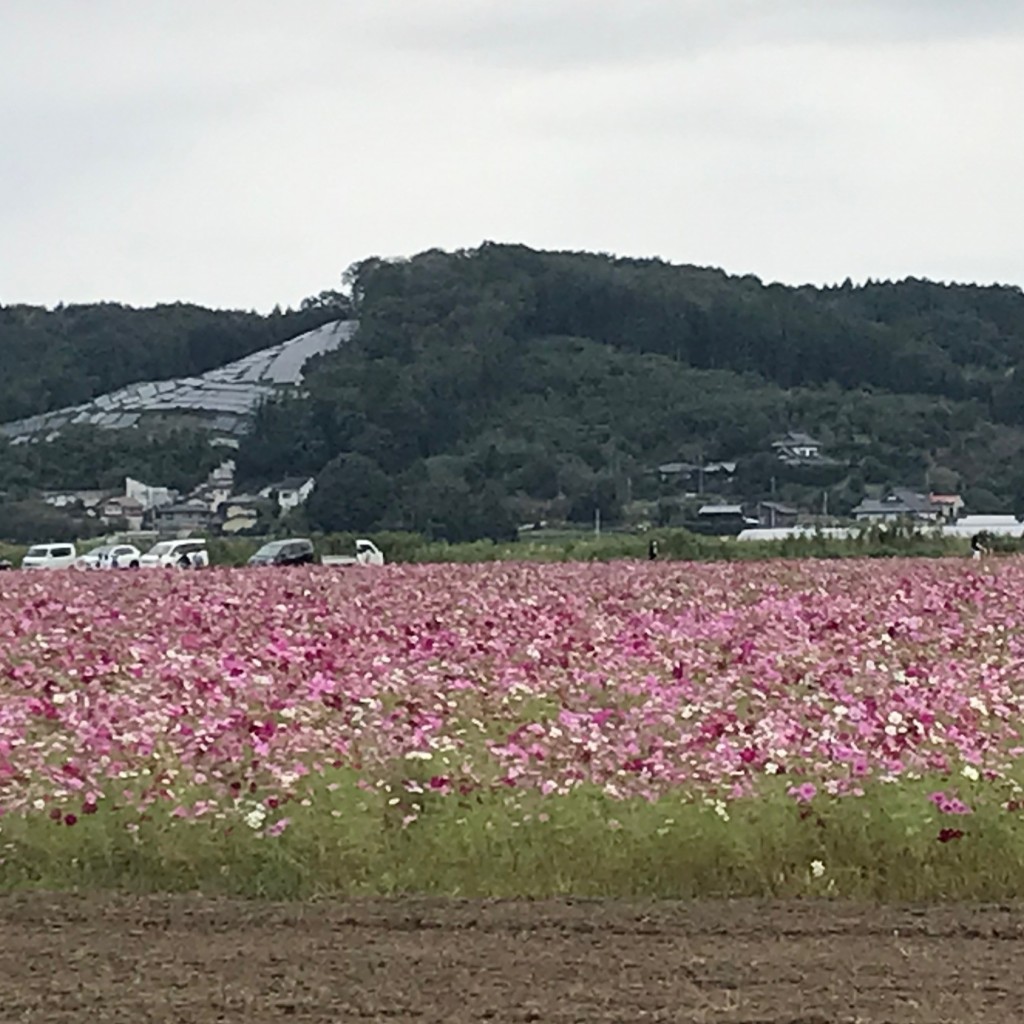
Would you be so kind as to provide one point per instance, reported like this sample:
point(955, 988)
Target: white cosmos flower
point(255, 818)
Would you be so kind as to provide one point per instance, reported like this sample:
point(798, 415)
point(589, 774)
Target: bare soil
point(193, 960)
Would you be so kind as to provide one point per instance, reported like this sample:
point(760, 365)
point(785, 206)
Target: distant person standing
point(652, 550)
point(978, 546)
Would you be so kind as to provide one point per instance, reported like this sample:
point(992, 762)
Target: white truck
point(367, 553)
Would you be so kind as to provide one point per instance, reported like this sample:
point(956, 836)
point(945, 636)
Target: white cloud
point(243, 152)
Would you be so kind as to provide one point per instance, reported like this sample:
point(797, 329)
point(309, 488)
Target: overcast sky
point(242, 153)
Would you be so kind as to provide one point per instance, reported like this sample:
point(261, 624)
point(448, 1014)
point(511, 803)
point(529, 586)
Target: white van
point(190, 553)
point(50, 556)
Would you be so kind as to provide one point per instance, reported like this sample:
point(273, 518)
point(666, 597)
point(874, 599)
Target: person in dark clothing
point(978, 546)
point(652, 549)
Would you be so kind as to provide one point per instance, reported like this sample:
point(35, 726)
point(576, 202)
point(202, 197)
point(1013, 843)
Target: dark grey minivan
point(294, 551)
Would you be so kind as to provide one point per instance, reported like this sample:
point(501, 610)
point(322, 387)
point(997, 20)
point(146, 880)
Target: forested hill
point(67, 355)
point(501, 383)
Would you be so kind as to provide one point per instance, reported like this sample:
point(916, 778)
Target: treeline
point(499, 385)
point(86, 458)
point(70, 354)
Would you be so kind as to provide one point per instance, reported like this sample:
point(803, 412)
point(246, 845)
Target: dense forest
point(503, 385)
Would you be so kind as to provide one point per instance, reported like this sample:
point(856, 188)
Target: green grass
point(674, 544)
point(507, 843)
point(574, 546)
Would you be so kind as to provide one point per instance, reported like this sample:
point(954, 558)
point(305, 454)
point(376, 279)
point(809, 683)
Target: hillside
point(73, 369)
point(66, 356)
point(504, 384)
point(222, 400)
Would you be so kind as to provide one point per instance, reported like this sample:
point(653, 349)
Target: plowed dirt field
point(191, 960)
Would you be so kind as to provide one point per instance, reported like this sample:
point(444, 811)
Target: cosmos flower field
point(669, 729)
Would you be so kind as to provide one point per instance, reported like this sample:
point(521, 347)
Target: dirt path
point(71, 959)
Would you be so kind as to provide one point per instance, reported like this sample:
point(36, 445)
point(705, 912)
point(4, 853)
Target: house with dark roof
point(776, 513)
point(289, 493)
point(797, 448)
point(720, 519)
point(121, 507)
point(183, 517)
point(676, 471)
point(899, 504)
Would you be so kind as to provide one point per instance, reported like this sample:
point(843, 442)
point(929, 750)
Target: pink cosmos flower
point(803, 793)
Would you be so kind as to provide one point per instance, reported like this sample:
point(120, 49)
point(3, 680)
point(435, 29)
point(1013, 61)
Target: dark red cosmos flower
point(70, 819)
point(947, 835)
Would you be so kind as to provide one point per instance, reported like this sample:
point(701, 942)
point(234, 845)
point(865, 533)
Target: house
point(721, 520)
point(775, 513)
point(239, 513)
point(797, 447)
point(899, 503)
point(950, 505)
point(676, 471)
point(211, 495)
point(119, 507)
point(182, 517)
point(150, 497)
point(89, 500)
point(685, 471)
point(238, 520)
point(720, 511)
point(289, 493)
point(223, 475)
point(217, 487)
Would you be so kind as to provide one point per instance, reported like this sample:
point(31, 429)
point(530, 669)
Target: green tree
point(352, 493)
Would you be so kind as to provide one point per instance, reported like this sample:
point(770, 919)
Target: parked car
point(294, 551)
point(94, 558)
point(367, 553)
point(176, 554)
point(49, 556)
point(124, 556)
point(111, 556)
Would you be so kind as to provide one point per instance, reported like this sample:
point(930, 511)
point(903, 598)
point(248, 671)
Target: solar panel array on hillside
point(225, 397)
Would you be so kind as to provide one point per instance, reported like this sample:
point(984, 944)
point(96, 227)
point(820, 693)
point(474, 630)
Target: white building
point(289, 493)
point(147, 496)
